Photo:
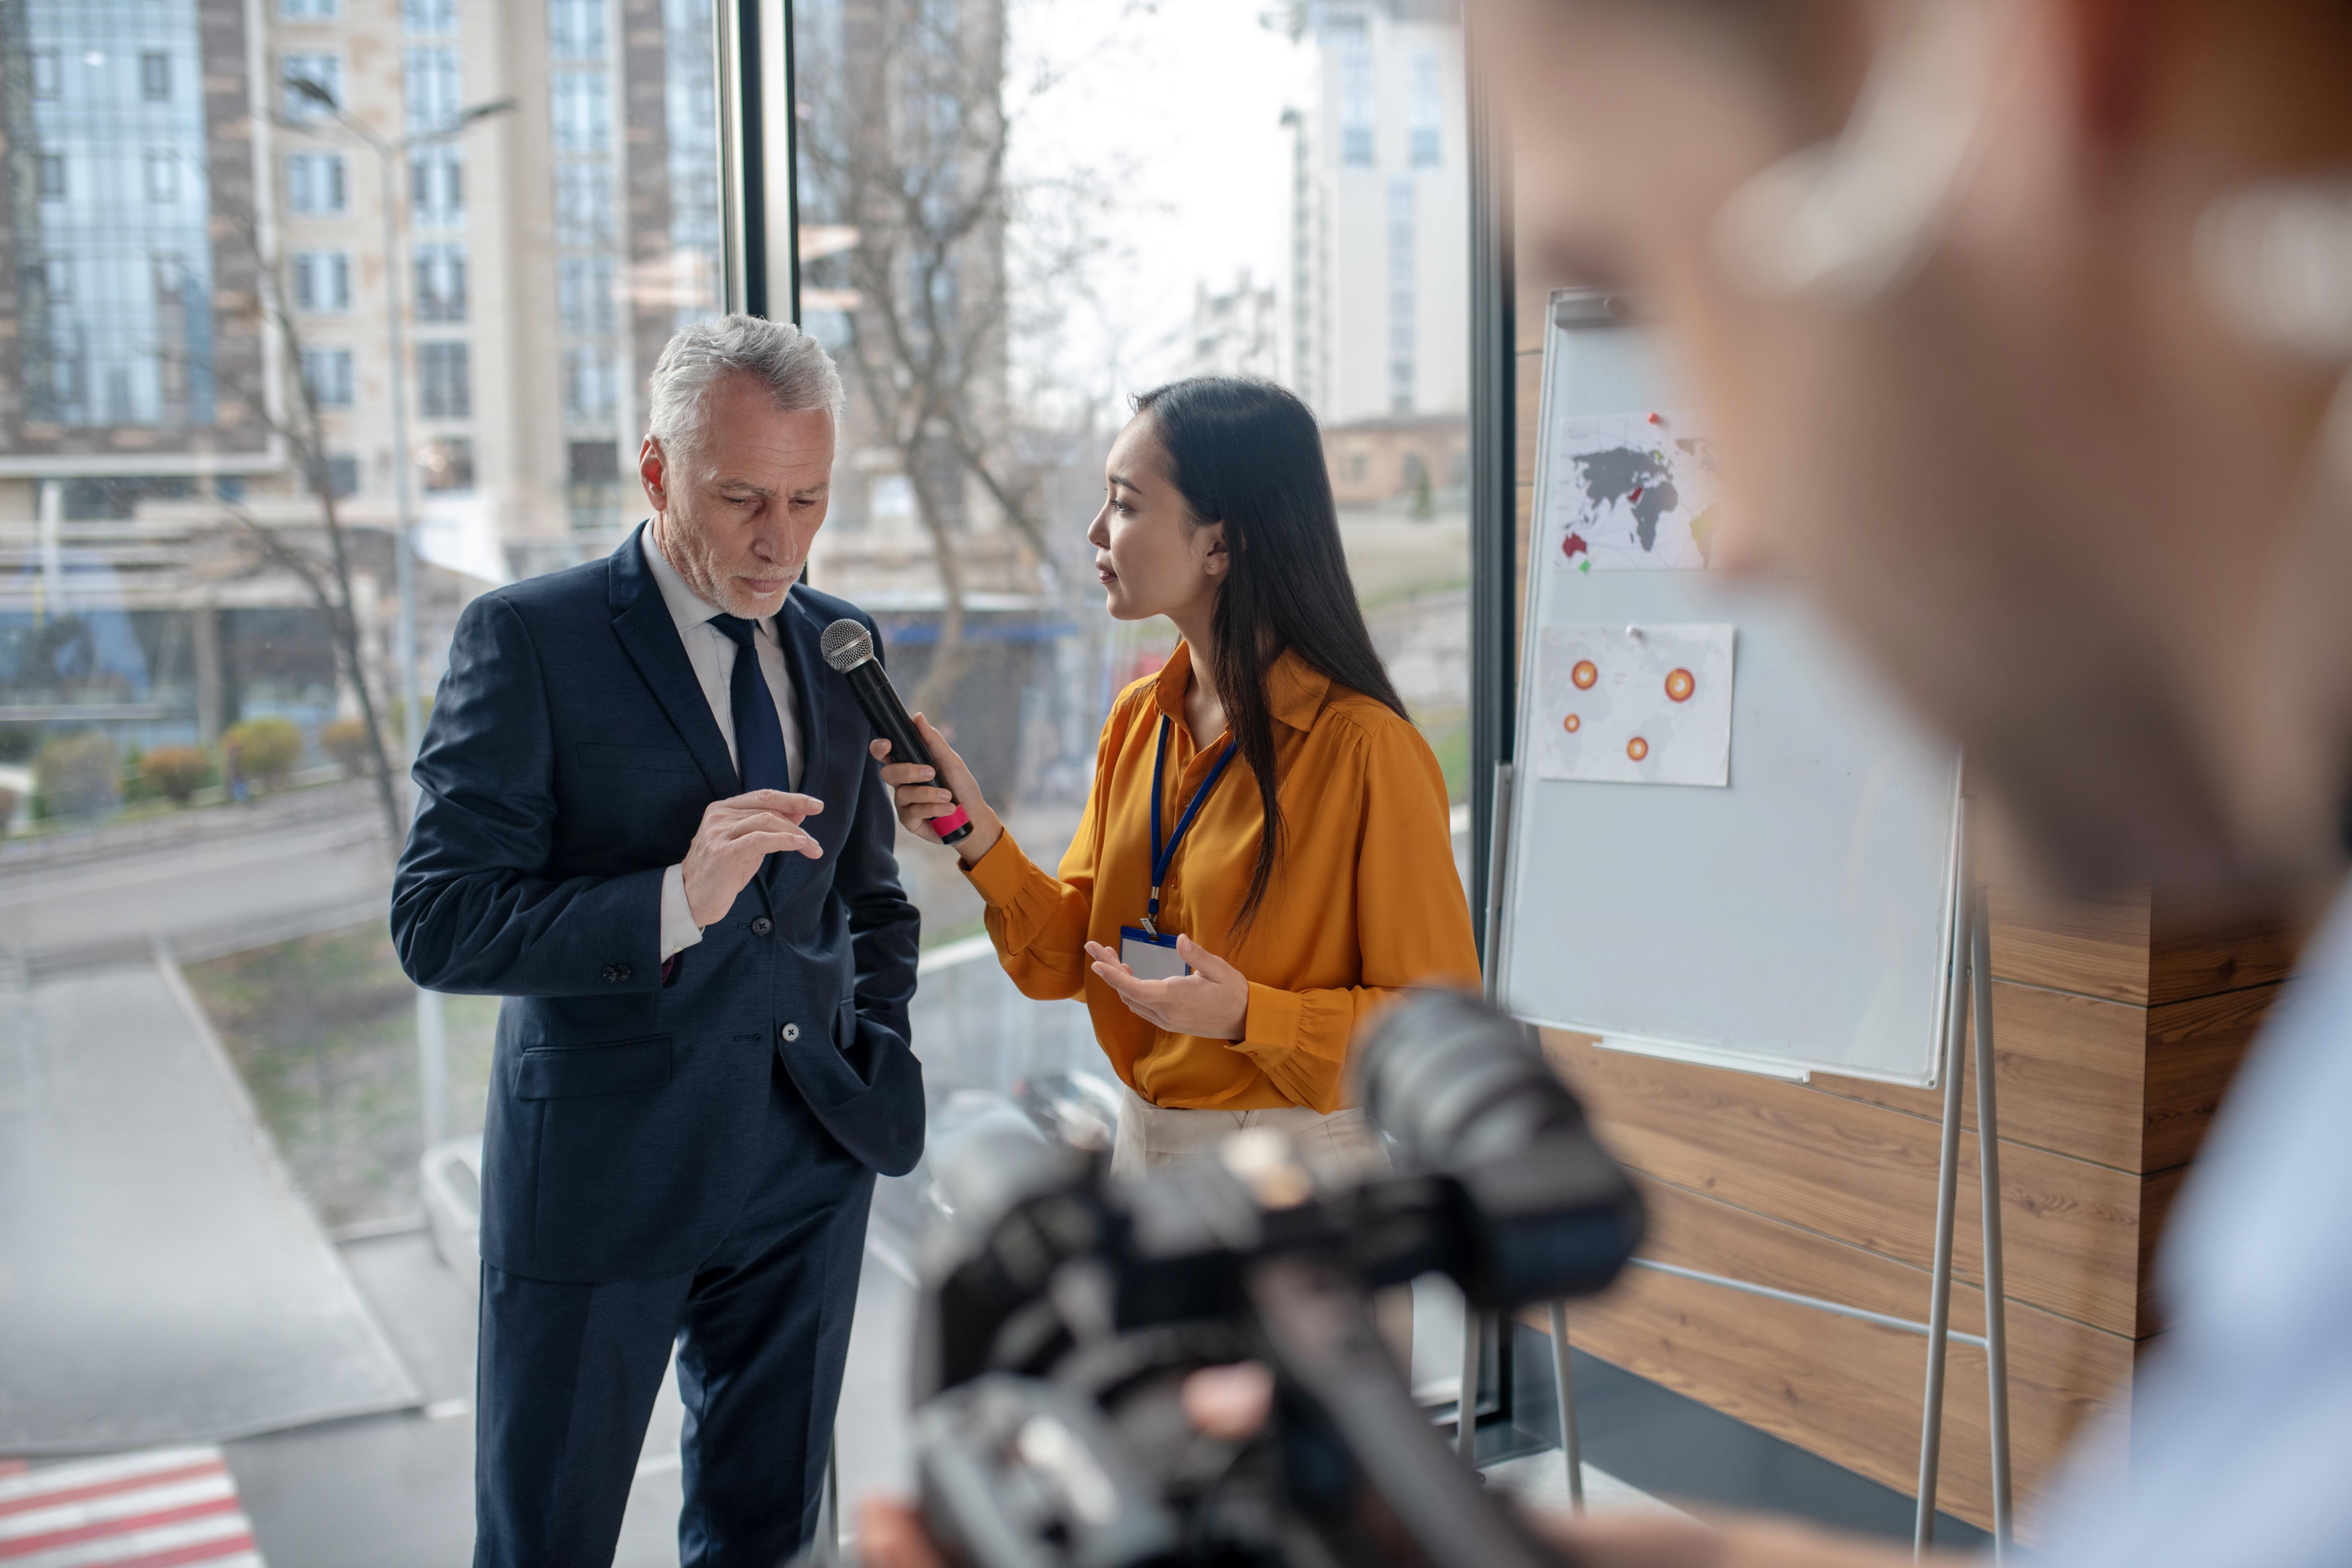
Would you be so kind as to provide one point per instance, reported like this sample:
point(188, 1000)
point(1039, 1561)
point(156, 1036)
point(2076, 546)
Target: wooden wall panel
point(2096, 947)
point(1865, 1174)
point(2194, 1047)
point(1846, 1389)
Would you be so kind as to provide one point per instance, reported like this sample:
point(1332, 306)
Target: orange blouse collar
point(1294, 688)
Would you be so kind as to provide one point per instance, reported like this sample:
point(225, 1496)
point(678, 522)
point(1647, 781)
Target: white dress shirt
point(712, 653)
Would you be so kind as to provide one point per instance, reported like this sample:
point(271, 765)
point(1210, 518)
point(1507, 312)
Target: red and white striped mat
point(159, 1508)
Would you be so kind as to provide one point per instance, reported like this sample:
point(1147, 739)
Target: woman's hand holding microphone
point(1212, 1001)
point(920, 797)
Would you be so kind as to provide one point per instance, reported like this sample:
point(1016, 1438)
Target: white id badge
point(1151, 956)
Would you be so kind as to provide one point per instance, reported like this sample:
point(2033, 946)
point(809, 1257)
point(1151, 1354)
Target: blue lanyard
point(1162, 858)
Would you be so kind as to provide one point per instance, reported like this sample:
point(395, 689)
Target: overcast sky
point(1181, 103)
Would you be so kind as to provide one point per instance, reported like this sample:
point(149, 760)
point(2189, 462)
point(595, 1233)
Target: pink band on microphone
point(943, 826)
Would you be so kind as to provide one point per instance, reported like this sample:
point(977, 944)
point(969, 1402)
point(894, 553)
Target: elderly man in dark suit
point(649, 821)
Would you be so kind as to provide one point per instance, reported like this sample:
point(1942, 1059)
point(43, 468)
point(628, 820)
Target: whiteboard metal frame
point(1966, 973)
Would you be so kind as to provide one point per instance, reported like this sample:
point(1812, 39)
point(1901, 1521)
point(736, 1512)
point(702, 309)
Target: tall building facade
point(193, 245)
point(1377, 317)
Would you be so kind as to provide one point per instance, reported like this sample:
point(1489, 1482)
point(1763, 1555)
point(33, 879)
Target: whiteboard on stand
point(1779, 899)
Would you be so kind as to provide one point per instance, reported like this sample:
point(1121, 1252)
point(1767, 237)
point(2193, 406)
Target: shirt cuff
point(1273, 1019)
point(999, 874)
point(678, 930)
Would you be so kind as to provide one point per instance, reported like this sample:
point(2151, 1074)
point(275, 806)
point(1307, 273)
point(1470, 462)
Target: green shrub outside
point(263, 751)
point(77, 774)
point(346, 741)
point(176, 772)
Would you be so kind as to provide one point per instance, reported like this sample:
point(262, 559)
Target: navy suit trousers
point(568, 1371)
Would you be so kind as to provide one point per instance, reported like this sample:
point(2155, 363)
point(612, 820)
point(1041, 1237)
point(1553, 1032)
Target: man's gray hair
point(794, 366)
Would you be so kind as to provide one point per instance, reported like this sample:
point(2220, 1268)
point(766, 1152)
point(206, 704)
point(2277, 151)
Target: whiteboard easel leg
point(1988, 1167)
point(1564, 1384)
point(1466, 1406)
point(1948, 1184)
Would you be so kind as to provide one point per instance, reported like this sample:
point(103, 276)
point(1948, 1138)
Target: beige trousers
point(1154, 1137)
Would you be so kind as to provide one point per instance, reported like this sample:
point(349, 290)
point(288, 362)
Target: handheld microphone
point(850, 650)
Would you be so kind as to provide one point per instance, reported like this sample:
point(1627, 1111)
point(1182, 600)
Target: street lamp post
point(432, 1038)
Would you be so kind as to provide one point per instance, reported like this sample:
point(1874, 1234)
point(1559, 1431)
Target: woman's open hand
point(920, 795)
point(1212, 1001)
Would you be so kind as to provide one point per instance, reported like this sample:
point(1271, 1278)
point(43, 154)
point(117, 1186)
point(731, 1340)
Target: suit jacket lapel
point(642, 621)
point(799, 636)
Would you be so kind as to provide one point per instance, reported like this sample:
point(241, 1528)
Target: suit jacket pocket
point(568, 1072)
point(635, 759)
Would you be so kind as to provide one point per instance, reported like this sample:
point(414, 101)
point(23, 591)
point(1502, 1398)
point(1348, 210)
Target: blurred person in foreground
point(2019, 324)
point(1265, 823)
point(648, 821)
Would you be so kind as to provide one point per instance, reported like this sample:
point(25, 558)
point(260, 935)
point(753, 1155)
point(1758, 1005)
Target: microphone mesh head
point(846, 645)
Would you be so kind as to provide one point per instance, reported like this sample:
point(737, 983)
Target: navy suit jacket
point(569, 759)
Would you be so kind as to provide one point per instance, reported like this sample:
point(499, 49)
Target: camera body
point(1063, 1309)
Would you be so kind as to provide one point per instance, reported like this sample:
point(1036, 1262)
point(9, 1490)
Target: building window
point(429, 80)
point(1356, 103)
point(441, 283)
point(173, 279)
point(322, 71)
point(436, 187)
point(155, 78)
point(1428, 111)
point(52, 176)
point(57, 278)
point(48, 80)
point(583, 118)
point(431, 16)
point(314, 182)
point(1401, 294)
point(444, 382)
point(162, 177)
point(327, 372)
point(322, 281)
point(584, 295)
point(307, 10)
point(584, 205)
point(446, 463)
point(590, 386)
point(341, 473)
point(575, 30)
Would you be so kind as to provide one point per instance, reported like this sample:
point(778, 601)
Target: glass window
point(1310, 231)
point(314, 182)
point(328, 374)
point(155, 77)
point(307, 10)
point(47, 80)
point(52, 175)
point(591, 388)
point(322, 71)
point(582, 109)
point(575, 30)
point(56, 276)
point(437, 189)
point(446, 464)
point(431, 87)
point(342, 475)
point(440, 267)
point(445, 380)
point(162, 177)
point(587, 304)
point(322, 281)
point(583, 203)
point(430, 16)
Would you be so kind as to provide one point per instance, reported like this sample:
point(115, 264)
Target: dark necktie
point(760, 755)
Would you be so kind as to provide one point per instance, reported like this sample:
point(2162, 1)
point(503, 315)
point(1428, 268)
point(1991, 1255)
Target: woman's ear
point(1211, 541)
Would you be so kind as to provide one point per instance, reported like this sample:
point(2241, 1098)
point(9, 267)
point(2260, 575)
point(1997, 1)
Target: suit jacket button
point(618, 974)
point(791, 1032)
point(612, 973)
point(762, 925)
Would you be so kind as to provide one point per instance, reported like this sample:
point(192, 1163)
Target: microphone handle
point(888, 716)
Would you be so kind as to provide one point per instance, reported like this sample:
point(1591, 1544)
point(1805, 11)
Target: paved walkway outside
point(160, 1280)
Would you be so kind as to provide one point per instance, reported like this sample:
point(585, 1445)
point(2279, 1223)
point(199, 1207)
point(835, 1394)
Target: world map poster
point(1632, 492)
point(1648, 704)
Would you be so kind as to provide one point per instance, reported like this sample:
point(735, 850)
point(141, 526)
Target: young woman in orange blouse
point(1302, 830)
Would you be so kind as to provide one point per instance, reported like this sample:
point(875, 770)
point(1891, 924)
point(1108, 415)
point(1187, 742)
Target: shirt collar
point(1294, 689)
point(687, 607)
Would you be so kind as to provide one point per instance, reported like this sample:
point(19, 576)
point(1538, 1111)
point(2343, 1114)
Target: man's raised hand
point(736, 834)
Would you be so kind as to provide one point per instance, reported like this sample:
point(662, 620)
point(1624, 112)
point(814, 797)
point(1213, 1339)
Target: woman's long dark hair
point(1247, 454)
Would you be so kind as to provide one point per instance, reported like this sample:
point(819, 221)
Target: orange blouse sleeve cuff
point(1298, 1040)
point(998, 875)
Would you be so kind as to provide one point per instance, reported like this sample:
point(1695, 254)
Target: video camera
point(1063, 1309)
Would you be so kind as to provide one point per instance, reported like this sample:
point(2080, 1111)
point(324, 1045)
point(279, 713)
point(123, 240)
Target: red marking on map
point(1657, 419)
point(1636, 496)
point(1574, 546)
